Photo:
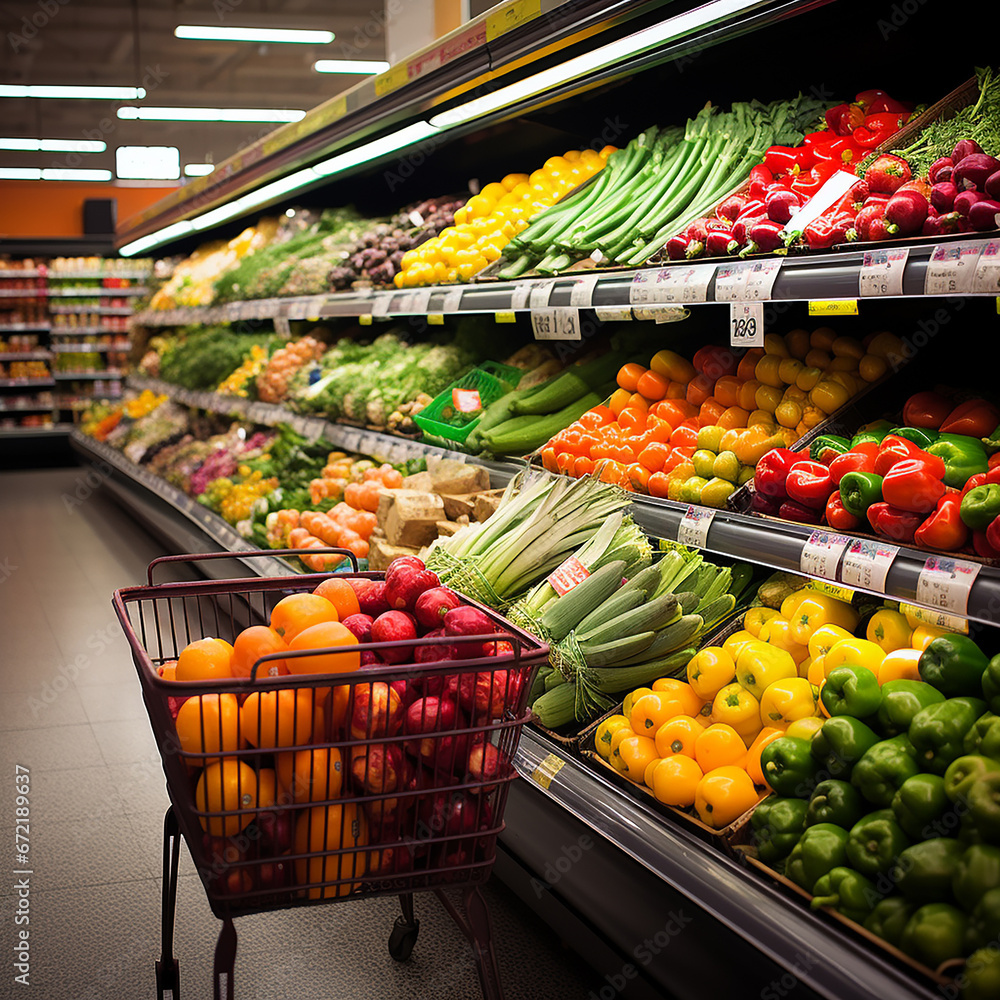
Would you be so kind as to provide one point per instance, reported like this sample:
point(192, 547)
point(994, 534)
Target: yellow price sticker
point(391, 80)
point(509, 16)
point(505, 317)
point(547, 770)
point(936, 619)
point(365, 320)
point(833, 307)
point(435, 319)
point(831, 589)
point(312, 319)
point(998, 307)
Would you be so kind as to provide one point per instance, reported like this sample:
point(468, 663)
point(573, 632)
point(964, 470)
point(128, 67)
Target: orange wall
point(55, 208)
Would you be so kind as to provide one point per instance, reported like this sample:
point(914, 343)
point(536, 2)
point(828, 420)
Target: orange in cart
point(313, 775)
point(323, 636)
point(297, 612)
point(205, 660)
point(226, 786)
point(209, 723)
point(253, 643)
point(330, 828)
point(271, 719)
point(267, 788)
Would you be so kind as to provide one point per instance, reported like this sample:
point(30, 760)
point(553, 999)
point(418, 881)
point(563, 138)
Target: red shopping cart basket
point(325, 774)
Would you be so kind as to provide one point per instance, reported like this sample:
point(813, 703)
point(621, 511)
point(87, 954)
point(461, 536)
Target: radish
point(992, 185)
point(433, 604)
point(781, 205)
point(964, 201)
point(404, 588)
point(468, 621)
point(400, 561)
point(964, 148)
point(360, 626)
point(394, 626)
point(972, 172)
point(677, 247)
point(943, 196)
point(732, 207)
point(720, 243)
point(372, 600)
point(905, 213)
point(698, 230)
point(767, 235)
point(984, 215)
point(937, 166)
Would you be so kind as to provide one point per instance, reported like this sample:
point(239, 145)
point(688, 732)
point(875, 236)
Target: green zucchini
point(555, 707)
point(538, 684)
point(647, 617)
point(526, 438)
point(571, 384)
point(718, 609)
point(613, 680)
point(602, 654)
point(565, 613)
point(682, 632)
point(553, 680)
point(689, 601)
point(645, 581)
point(617, 604)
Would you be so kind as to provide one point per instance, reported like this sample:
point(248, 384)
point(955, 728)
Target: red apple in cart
point(360, 626)
point(378, 767)
point(274, 874)
point(275, 832)
point(406, 690)
point(375, 710)
point(454, 815)
point(432, 605)
point(372, 600)
point(430, 715)
point(404, 589)
point(488, 693)
point(434, 717)
point(237, 881)
point(220, 852)
point(486, 764)
point(466, 620)
point(395, 626)
point(369, 658)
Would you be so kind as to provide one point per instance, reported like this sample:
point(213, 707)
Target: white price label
point(380, 307)
point(945, 583)
point(540, 294)
point(746, 324)
point(416, 218)
point(661, 313)
point(582, 292)
point(452, 301)
point(821, 554)
point(300, 425)
point(760, 279)
point(672, 284)
point(952, 268)
point(693, 529)
point(730, 282)
point(866, 564)
point(987, 278)
point(281, 327)
point(556, 324)
point(519, 297)
point(882, 272)
point(420, 300)
point(613, 314)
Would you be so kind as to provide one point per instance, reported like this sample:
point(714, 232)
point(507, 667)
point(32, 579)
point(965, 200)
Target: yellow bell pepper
point(791, 603)
point(805, 729)
point(737, 707)
point(816, 670)
point(900, 665)
point(778, 632)
point(737, 641)
point(632, 698)
point(786, 701)
point(767, 735)
point(825, 638)
point(923, 635)
point(820, 609)
point(760, 664)
point(709, 671)
point(755, 618)
point(857, 652)
point(724, 795)
point(889, 629)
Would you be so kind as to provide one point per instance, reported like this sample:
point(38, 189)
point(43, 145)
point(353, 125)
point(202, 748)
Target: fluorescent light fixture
point(359, 67)
point(198, 169)
point(590, 62)
point(20, 174)
point(207, 32)
point(55, 145)
point(211, 114)
point(52, 174)
point(253, 199)
point(81, 93)
point(148, 163)
point(171, 232)
point(416, 132)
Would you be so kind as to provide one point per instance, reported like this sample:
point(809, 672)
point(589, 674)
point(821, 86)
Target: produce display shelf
point(385, 447)
point(76, 331)
point(26, 356)
point(20, 327)
point(94, 310)
point(24, 383)
point(70, 376)
point(14, 272)
point(23, 293)
point(85, 348)
point(53, 430)
point(90, 275)
point(27, 409)
point(90, 293)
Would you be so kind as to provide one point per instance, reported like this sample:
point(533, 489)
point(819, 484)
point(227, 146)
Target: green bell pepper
point(934, 934)
point(938, 731)
point(924, 872)
point(991, 444)
point(984, 806)
point(836, 802)
point(978, 872)
point(874, 431)
point(920, 436)
point(980, 506)
point(788, 767)
point(984, 920)
point(875, 842)
point(968, 832)
point(901, 700)
point(889, 919)
point(882, 770)
point(859, 490)
point(851, 690)
point(963, 772)
point(981, 975)
point(841, 743)
point(963, 457)
point(990, 682)
point(984, 737)
point(827, 447)
point(847, 891)
point(820, 849)
point(777, 824)
point(919, 804)
point(954, 665)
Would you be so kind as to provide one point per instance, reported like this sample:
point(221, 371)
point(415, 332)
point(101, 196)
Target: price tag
point(435, 319)
point(693, 530)
point(761, 275)
point(746, 324)
point(866, 564)
point(380, 307)
point(421, 300)
point(547, 770)
point(416, 218)
point(505, 317)
point(582, 292)
point(300, 425)
point(945, 583)
point(566, 576)
point(882, 272)
point(540, 294)
point(833, 307)
point(281, 327)
point(452, 300)
point(952, 268)
point(730, 282)
point(613, 314)
point(821, 554)
point(987, 277)
point(522, 291)
point(365, 319)
point(556, 324)
point(466, 400)
point(937, 619)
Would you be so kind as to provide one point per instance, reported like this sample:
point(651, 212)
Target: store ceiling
point(93, 42)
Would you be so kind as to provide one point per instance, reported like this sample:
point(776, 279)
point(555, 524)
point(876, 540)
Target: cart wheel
point(167, 982)
point(403, 938)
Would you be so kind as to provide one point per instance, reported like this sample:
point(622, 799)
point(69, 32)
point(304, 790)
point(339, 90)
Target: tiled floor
point(71, 711)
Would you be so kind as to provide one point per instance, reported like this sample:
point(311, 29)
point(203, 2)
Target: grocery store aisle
point(71, 712)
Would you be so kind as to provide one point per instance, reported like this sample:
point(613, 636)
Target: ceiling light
point(20, 174)
point(211, 114)
point(254, 199)
point(55, 145)
point(148, 163)
point(83, 93)
point(372, 150)
point(171, 232)
point(360, 67)
point(52, 174)
point(207, 32)
point(590, 62)
point(198, 169)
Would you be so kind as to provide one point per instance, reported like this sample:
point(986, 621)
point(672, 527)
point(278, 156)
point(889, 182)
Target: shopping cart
point(298, 788)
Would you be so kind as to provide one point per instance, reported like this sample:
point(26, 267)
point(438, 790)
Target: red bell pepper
point(809, 484)
point(772, 471)
point(844, 118)
point(913, 485)
point(979, 479)
point(926, 409)
point(893, 449)
point(891, 522)
point(760, 178)
point(877, 128)
point(874, 102)
point(994, 461)
point(762, 504)
point(976, 418)
point(861, 458)
point(792, 511)
point(789, 159)
point(837, 516)
point(828, 230)
point(944, 528)
point(844, 152)
point(982, 547)
point(993, 533)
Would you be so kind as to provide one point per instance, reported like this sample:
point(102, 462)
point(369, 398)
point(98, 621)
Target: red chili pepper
point(828, 230)
point(893, 449)
point(853, 200)
point(811, 138)
point(891, 522)
point(772, 471)
point(789, 159)
point(877, 128)
point(944, 528)
point(861, 458)
point(792, 511)
point(993, 533)
point(809, 484)
point(913, 485)
point(837, 516)
point(874, 102)
point(843, 151)
point(759, 179)
point(983, 546)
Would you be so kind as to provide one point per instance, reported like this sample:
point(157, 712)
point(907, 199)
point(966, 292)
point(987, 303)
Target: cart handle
point(189, 557)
